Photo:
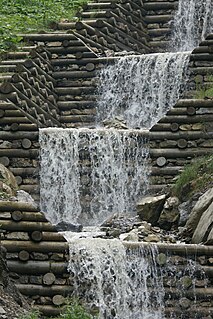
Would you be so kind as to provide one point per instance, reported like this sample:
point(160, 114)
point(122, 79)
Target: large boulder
point(170, 215)
point(149, 208)
point(8, 184)
point(203, 232)
point(200, 207)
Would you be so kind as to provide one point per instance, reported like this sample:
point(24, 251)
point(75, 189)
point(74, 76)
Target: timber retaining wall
point(38, 256)
point(52, 82)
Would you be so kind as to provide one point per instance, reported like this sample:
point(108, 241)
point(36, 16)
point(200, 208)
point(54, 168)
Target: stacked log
point(31, 89)
point(37, 255)
point(158, 19)
point(185, 133)
point(37, 258)
point(113, 25)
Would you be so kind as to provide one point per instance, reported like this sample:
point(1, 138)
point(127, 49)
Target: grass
point(34, 314)
point(196, 177)
point(26, 16)
point(72, 310)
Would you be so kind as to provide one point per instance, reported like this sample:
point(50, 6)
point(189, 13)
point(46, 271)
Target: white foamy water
point(141, 89)
point(120, 283)
point(192, 22)
point(88, 175)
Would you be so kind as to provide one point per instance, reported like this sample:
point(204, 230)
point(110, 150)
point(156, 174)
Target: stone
point(152, 238)
point(64, 226)
point(131, 236)
point(117, 123)
point(2, 311)
point(17, 235)
point(204, 229)
point(161, 259)
point(149, 208)
point(184, 211)
point(170, 214)
point(209, 240)
point(6, 177)
point(184, 303)
point(23, 196)
point(186, 282)
point(202, 204)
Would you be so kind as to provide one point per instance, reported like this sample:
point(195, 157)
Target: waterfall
point(141, 89)
point(120, 283)
point(192, 22)
point(87, 175)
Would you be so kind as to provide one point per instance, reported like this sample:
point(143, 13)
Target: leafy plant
point(33, 314)
point(24, 16)
point(204, 91)
point(74, 310)
point(195, 177)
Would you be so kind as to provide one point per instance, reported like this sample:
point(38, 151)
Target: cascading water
point(192, 22)
point(87, 175)
point(141, 89)
point(117, 281)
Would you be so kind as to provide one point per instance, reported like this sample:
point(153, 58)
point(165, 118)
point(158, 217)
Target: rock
point(184, 303)
point(117, 123)
point(131, 236)
point(186, 282)
point(209, 240)
point(23, 196)
point(64, 226)
point(161, 259)
point(200, 207)
point(152, 238)
point(6, 177)
point(2, 311)
point(6, 191)
point(204, 229)
point(184, 210)
point(170, 214)
point(149, 208)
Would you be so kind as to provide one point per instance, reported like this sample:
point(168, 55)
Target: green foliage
point(74, 310)
point(196, 177)
point(34, 314)
point(203, 91)
point(24, 16)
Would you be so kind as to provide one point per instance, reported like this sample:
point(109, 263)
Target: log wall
point(52, 82)
point(37, 258)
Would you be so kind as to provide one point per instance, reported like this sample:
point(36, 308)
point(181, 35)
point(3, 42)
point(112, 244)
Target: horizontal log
point(37, 267)
point(13, 153)
point(25, 172)
point(32, 290)
point(197, 103)
point(175, 153)
point(48, 310)
point(157, 171)
point(31, 216)
point(190, 135)
point(27, 226)
point(201, 311)
point(73, 74)
point(187, 119)
point(5, 135)
point(9, 206)
point(200, 293)
point(179, 249)
point(43, 247)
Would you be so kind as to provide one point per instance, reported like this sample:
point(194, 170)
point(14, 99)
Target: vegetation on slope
point(73, 310)
point(24, 16)
point(196, 177)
